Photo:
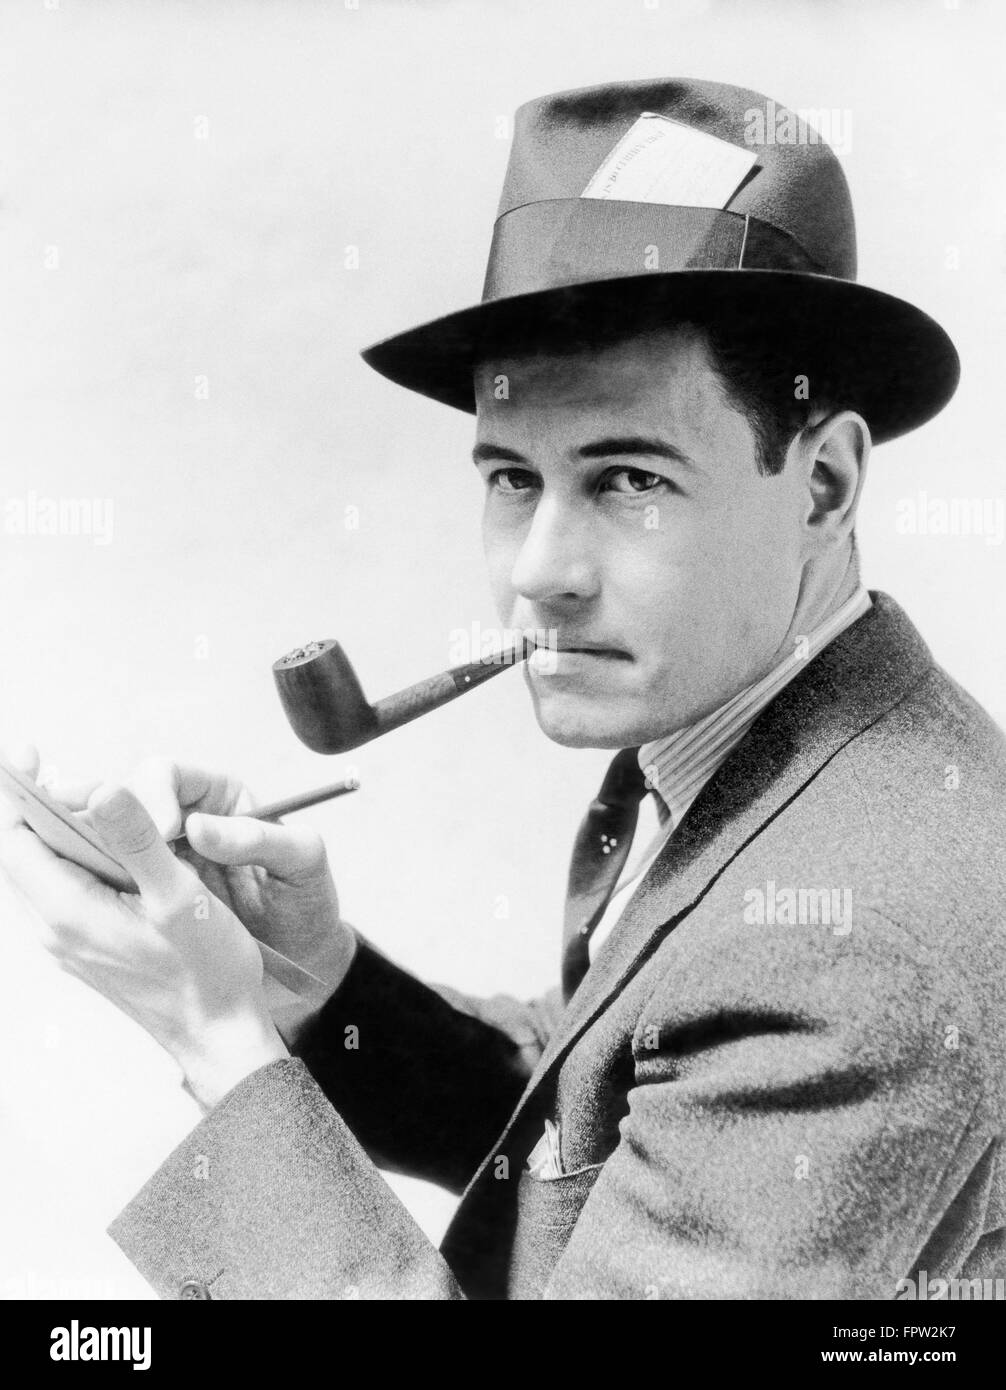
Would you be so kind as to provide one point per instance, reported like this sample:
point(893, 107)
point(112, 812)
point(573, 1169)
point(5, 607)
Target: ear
point(834, 451)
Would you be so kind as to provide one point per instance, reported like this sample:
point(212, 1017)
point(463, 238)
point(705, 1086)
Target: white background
point(382, 128)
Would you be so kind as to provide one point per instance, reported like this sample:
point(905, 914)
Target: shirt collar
point(678, 765)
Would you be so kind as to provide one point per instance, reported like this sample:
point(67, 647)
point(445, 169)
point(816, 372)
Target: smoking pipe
point(328, 710)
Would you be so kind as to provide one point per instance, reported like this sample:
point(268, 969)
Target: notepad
point(72, 838)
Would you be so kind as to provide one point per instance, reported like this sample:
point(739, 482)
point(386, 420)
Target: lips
point(591, 648)
point(571, 659)
point(595, 651)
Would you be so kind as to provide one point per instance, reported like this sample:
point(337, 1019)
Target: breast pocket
point(547, 1211)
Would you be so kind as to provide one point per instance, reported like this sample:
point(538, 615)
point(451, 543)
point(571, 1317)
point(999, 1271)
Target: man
point(774, 1068)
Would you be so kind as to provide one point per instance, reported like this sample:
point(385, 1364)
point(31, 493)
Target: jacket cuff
point(270, 1197)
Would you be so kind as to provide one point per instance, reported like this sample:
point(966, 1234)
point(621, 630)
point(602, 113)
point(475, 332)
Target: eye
point(632, 480)
point(511, 480)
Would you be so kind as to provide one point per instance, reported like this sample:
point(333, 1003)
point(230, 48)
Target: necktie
point(599, 855)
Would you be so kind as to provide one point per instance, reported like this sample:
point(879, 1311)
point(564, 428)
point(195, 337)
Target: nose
point(558, 556)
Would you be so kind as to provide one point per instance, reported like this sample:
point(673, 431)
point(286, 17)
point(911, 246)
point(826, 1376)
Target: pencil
point(276, 809)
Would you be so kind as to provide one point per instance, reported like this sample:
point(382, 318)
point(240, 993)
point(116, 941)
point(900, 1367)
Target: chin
point(622, 719)
point(582, 737)
point(582, 723)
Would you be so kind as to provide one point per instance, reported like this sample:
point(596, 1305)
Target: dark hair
point(763, 381)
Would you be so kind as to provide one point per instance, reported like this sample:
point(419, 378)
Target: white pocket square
point(544, 1161)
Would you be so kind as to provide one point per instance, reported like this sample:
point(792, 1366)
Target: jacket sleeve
point(271, 1197)
point(425, 1077)
point(275, 1193)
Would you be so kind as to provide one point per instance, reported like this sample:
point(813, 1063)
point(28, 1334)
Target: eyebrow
point(624, 446)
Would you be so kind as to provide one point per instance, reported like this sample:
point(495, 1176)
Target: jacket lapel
point(859, 677)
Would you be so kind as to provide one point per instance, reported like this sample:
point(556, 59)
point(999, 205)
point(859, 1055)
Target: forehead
point(656, 380)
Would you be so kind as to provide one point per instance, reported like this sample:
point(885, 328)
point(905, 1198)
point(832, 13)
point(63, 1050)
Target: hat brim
point(885, 357)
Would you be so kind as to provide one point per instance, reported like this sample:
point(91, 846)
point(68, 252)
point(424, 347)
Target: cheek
point(661, 550)
point(751, 566)
point(500, 547)
point(764, 539)
point(705, 575)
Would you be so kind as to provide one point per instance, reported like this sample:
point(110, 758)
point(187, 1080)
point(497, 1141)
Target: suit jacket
point(750, 1106)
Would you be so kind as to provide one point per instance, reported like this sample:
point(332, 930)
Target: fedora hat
point(656, 202)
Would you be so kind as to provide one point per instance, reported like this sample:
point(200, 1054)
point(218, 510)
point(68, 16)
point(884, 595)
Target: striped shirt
point(679, 765)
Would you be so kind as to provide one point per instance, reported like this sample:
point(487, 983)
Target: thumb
point(295, 855)
point(23, 759)
point(23, 756)
point(132, 837)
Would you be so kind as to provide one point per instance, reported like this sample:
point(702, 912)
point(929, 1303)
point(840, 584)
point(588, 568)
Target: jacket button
point(194, 1288)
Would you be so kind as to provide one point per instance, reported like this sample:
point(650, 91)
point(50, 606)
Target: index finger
point(170, 791)
point(133, 839)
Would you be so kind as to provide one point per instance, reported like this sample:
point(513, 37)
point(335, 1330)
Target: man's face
point(624, 509)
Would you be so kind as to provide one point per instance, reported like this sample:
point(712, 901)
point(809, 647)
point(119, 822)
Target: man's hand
point(172, 956)
point(274, 878)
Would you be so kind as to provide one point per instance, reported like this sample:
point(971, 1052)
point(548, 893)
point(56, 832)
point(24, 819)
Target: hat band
point(569, 241)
